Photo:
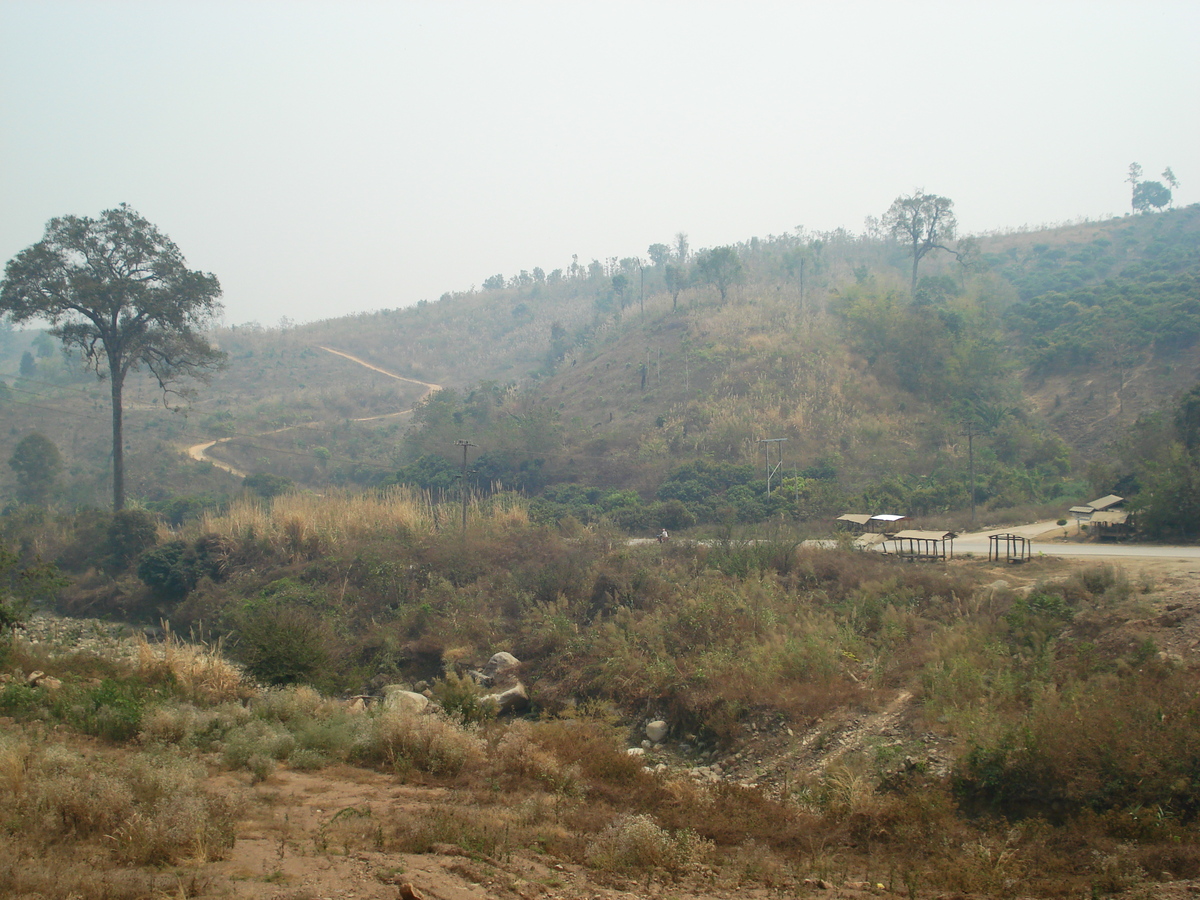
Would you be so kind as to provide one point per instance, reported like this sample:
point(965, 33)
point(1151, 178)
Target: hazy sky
point(323, 158)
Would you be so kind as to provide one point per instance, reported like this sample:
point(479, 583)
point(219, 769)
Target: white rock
point(500, 662)
point(513, 699)
point(396, 696)
point(657, 730)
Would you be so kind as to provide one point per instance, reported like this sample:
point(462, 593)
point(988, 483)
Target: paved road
point(1088, 551)
point(1041, 536)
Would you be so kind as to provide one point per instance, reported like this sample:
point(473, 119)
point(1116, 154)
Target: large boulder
point(397, 696)
point(510, 700)
point(656, 731)
point(500, 666)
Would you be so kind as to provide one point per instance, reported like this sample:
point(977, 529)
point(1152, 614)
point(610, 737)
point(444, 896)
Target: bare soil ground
point(311, 836)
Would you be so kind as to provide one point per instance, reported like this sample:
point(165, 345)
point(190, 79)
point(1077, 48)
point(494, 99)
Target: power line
point(767, 457)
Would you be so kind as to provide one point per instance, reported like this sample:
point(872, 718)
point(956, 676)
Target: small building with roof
point(852, 522)
point(882, 523)
point(1105, 516)
point(1111, 524)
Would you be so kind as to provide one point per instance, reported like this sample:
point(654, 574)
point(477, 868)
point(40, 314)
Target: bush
point(173, 569)
point(266, 485)
point(637, 844)
point(1110, 745)
point(282, 644)
point(111, 710)
point(170, 570)
point(403, 740)
point(460, 696)
point(152, 811)
point(130, 533)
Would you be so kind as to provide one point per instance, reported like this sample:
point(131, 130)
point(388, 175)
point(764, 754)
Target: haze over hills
point(554, 704)
point(616, 376)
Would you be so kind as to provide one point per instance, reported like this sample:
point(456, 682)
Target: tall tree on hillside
point(979, 418)
point(1134, 177)
point(1169, 177)
point(1168, 471)
point(620, 284)
point(924, 222)
point(1147, 194)
point(721, 267)
point(681, 246)
point(660, 255)
point(675, 279)
point(37, 464)
point(117, 290)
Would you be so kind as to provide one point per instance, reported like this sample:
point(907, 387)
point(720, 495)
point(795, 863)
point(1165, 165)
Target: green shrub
point(460, 696)
point(1108, 745)
point(130, 533)
point(171, 570)
point(282, 644)
point(256, 747)
point(22, 701)
point(111, 710)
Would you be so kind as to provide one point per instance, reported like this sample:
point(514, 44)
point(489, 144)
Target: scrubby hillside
point(642, 390)
point(1039, 350)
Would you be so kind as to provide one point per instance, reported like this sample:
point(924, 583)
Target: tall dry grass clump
point(201, 672)
point(302, 522)
point(636, 843)
point(148, 809)
point(405, 741)
point(303, 525)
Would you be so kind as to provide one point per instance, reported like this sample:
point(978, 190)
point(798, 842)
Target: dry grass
point(136, 809)
point(637, 844)
point(298, 520)
point(304, 525)
point(202, 673)
point(405, 741)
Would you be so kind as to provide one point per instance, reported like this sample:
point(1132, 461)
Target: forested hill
point(640, 390)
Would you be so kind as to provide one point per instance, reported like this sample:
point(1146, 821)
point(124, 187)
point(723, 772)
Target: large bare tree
point(924, 222)
point(118, 291)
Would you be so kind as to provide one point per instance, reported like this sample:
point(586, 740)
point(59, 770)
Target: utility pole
point(642, 279)
point(970, 430)
point(462, 484)
point(771, 470)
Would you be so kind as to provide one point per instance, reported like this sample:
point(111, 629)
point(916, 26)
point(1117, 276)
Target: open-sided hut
point(1013, 548)
point(917, 545)
point(856, 522)
point(1105, 517)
